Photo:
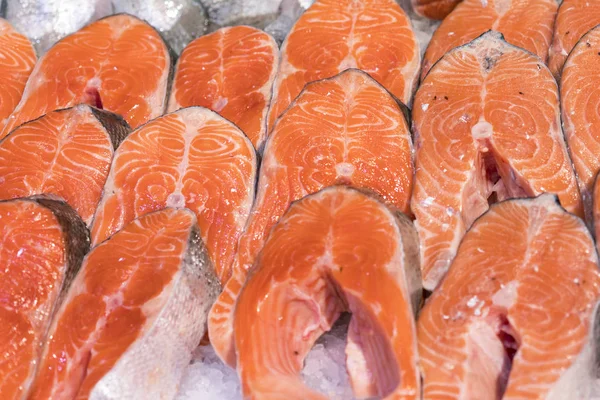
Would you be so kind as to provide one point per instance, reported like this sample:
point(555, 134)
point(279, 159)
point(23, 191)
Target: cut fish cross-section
point(66, 153)
point(230, 71)
point(42, 244)
point(516, 315)
point(191, 158)
point(347, 129)
point(17, 59)
point(579, 104)
point(574, 19)
point(333, 35)
point(133, 315)
point(524, 23)
point(118, 63)
point(333, 251)
point(487, 123)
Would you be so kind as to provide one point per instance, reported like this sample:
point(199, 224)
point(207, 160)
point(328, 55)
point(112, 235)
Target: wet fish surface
point(524, 23)
point(17, 58)
point(43, 243)
point(575, 18)
point(66, 153)
point(348, 130)
point(487, 125)
point(118, 63)
point(230, 71)
point(356, 256)
point(517, 316)
point(578, 92)
point(353, 34)
point(190, 158)
point(133, 315)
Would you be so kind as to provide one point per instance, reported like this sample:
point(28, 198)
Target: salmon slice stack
point(356, 255)
point(579, 97)
point(347, 129)
point(17, 58)
point(435, 9)
point(42, 244)
point(118, 63)
point(133, 315)
point(516, 316)
point(230, 71)
point(333, 35)
point(73, 150)
point(487, 123)
point(524, 23)
point(575, 18)
point(190, 158)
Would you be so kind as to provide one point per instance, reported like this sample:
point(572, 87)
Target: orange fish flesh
point(516, 316)
point(487, 127)
point(133, 315)
point(346, 129)
point(230, 71)
point(333, 251)
point(43, 242)
point(73, 150)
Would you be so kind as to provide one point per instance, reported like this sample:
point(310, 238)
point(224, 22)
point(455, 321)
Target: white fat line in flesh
point(176, 199)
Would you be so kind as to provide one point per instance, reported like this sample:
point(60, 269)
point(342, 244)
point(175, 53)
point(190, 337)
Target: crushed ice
point(207, 378)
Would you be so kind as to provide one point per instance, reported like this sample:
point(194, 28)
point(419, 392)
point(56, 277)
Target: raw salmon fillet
point(333, 35)
point(436, 9)
point(118, 63)
point(190, 158)
point(42, 244)
point(133, 315)
point(66, 153)
point(524, 23)
point(230, 71)
point(346, 129)
point(355, 255)
point(17, 58)
point(516, 316)
point(575, 18)
point(487, 123)
point(580, 117)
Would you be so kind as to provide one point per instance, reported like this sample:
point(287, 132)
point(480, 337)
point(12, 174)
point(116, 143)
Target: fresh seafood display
point(299, 199)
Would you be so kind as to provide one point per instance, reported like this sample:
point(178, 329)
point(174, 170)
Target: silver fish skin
point(257, 13)
point(45, 22)
point(179, 21)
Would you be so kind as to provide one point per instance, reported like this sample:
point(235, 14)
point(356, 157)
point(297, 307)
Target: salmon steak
point(516, 317)
point(580, 117)
point(66, 153)
point(133, 314)
point(374, 36)
point(436, 9)
point(487, 126)
point(118, 63)
point(524, 23)
point(574, 19)
point(17, 58)
point(230, 71)
point(43, 243)
point(356, 255)
point(347, 129)
point(190, 158)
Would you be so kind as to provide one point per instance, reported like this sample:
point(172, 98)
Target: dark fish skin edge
point(114, 124)
point(76, 238)
point(75, 233)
